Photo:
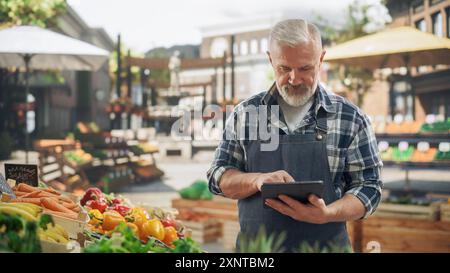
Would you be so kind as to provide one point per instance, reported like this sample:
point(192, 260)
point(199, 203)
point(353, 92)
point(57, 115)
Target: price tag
point(398, 118)
point(5, 187)
point(444, 147)
point(430, 119)
point(383, 146)
point(403, 146)
point(22, 173)
point(423, 146)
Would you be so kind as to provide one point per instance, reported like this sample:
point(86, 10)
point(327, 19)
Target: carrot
point(36, 201)
point(50, 190)
point(68, 205)
point(50, 204)
point(73, 207)
point(25, 187)
point(71, 215)
point(65, 199)
point(46, 194)
point(32, 194)
point(20, 193)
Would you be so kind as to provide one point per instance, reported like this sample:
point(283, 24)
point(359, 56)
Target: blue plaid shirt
point(352, 149)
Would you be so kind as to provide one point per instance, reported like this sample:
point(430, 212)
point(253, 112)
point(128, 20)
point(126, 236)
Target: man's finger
point(286, 176)
point(280, 207)
point(294, 204)
point(316, 201)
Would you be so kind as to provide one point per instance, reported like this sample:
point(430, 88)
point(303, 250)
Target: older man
point(321, 137)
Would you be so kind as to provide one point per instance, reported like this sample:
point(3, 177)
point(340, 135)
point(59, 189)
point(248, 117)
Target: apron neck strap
point(321, 123)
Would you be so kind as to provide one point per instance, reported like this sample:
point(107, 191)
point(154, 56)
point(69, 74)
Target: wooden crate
point(74, 228)
point(445, 212)
point(230, 232)
point(204, 231)
point(396, 211)
point(405, 235)
point(219, 208)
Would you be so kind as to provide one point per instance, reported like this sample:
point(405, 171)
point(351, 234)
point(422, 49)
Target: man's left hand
point(315, 212)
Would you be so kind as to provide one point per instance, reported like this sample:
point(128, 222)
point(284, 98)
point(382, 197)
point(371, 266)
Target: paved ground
point(180, 173)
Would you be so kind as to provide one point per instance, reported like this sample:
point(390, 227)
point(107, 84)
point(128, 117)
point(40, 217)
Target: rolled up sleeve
point(363, 168)
point(229, 155)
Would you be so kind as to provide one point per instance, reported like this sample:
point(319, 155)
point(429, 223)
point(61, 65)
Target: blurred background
point(110, 126)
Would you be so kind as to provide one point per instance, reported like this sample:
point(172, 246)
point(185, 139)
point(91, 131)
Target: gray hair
point(295, 32)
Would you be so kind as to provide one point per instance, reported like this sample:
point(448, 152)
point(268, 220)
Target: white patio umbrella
point(32, 47)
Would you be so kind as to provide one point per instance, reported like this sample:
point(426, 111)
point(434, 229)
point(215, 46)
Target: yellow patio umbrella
point(395, 47)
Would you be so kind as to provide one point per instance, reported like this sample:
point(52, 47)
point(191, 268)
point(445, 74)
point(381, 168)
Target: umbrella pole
point(26, 58)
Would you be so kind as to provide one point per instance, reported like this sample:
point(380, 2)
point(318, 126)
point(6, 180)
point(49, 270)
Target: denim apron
point(304, 157)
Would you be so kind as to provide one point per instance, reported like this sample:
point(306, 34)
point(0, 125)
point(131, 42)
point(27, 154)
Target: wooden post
point(224, 81)
point(129, 76)
point(232, 67)
point(119, 68)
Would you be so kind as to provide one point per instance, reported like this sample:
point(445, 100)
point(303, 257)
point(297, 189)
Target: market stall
point(55, 221)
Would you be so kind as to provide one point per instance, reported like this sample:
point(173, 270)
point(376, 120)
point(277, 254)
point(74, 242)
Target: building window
point(421, 25)
point(235, 49)
point(263, 45)
point(253, 46)
point(218, 47)
point(244, 48)
point(418, 6)
point(447, 12)
point(437, 24)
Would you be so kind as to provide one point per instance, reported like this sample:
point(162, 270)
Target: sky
point(145, 24)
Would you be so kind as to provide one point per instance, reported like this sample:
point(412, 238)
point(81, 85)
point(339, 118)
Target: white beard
point(296, 96)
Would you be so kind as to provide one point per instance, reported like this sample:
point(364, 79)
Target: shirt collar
point(322, 99)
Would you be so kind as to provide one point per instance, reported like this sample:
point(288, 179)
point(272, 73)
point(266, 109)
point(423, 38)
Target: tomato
point(153, 228)
point(170, 235)
point(111, 219)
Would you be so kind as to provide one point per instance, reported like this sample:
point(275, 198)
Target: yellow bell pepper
point(111, 219)
point(96, 217)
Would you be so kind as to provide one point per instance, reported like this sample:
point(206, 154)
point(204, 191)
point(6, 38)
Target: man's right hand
point(273, 177)
point(236, 184)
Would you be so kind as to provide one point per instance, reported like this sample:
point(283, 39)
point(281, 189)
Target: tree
point(30, 12)
point(361, 19)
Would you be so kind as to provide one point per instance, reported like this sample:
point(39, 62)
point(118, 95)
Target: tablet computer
point(296, 190)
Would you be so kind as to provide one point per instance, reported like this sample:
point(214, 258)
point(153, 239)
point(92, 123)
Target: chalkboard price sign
point(22, 173)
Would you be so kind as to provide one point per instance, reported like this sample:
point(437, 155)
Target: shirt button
point(319, 137)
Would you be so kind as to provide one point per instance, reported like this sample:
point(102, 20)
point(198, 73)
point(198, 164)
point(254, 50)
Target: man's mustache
point(302, 87)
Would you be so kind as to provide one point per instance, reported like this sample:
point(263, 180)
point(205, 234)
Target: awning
point(395, 47)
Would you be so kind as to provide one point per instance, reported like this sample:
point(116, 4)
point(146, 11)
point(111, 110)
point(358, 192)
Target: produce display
point(143, 148)
point(407, 127)
point(23, 227)
point(436, 127)
point(425, 156)
point(110, 214)
point(196, 191)
point(405, 155)
point(48, 199)
point(114, 224)
point(78, 157)
point(442, 156)
point(86, 128)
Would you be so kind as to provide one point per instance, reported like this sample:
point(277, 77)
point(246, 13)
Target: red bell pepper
point(168, 222)
point(122, 209)
point(97, 204)
point(92, 194)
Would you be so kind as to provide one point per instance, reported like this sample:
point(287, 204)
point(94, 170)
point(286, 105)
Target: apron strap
point(321, 124)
